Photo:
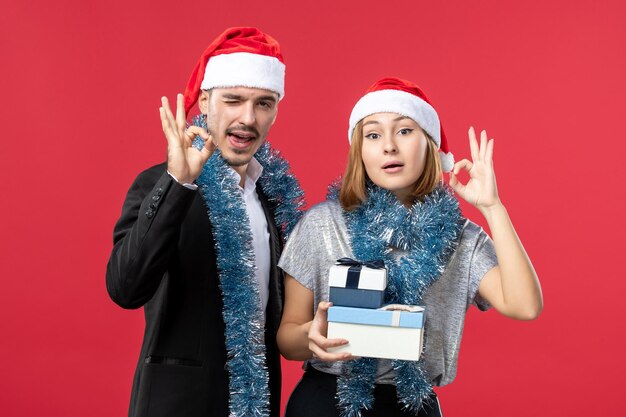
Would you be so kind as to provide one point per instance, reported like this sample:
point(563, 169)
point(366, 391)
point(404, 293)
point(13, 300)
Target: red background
point(81, 83)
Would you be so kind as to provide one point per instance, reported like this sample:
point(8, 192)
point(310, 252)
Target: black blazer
point(164, 260)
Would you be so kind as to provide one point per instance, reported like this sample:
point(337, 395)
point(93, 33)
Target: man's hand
point(184, 161)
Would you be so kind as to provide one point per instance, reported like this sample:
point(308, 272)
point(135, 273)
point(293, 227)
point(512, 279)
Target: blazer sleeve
point(145, 236)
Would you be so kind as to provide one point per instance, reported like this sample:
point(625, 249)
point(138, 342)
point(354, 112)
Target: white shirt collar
point(253, 173)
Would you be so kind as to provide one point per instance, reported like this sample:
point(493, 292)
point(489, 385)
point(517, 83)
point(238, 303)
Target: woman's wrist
point(493, 211)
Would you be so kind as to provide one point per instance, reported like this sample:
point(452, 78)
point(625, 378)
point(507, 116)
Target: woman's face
point(394, 152)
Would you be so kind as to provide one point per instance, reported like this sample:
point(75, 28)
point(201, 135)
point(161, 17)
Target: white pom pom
point(447, 161)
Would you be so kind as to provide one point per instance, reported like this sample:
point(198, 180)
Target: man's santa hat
point(239, 57)
point(394, 95)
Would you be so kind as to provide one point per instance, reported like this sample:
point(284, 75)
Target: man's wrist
point(189, 185)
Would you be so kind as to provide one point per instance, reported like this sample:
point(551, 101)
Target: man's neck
point(241, 170)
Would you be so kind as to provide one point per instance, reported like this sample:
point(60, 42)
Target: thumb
point(455, 184)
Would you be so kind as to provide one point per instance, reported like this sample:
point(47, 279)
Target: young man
point(199, 238)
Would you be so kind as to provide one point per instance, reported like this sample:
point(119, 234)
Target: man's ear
point(203, 101)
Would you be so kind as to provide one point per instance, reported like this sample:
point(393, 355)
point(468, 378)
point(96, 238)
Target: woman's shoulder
point(471, 230)
point(329, 210)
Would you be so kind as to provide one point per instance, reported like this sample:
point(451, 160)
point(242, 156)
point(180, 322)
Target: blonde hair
point(352, 192)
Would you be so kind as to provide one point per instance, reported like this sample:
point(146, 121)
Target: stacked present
point(357, 292)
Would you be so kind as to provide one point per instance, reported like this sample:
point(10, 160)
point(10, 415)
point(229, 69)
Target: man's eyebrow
point(269, 98)
point(231, 96)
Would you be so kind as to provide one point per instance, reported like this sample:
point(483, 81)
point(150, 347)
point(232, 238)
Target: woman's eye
point(372, 136)
point(405, 131)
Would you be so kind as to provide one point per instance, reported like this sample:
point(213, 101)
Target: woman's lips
point(393, 167)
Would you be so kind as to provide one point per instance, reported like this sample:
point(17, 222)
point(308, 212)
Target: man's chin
point(237, 160)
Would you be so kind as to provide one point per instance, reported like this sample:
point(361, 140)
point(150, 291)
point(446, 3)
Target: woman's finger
point(473, 143)
point(462, 164)
point(455, 184)
point(326, 343)
point(328, 356)
point(489, 154)
point(483, 145)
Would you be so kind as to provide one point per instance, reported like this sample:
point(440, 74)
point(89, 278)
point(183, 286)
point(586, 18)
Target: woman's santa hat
point(239, 57)
point(394, 95)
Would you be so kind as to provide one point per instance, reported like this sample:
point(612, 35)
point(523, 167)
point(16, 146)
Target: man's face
point(239, 120)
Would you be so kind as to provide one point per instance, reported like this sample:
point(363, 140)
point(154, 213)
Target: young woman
point(392, 205)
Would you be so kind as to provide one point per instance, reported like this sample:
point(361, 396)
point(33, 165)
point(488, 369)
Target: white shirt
point(259, 228)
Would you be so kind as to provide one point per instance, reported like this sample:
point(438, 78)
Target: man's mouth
point(240, 139)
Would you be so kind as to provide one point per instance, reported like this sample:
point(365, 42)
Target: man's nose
point(247, 115)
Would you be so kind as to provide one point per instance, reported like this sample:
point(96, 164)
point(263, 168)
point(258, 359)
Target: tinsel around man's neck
point(242, 311)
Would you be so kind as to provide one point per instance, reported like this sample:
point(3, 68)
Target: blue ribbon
point(354, 270)
point(376, 264)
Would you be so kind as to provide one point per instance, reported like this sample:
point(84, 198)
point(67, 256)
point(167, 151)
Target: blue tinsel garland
point(428, 232)
point(245, 334)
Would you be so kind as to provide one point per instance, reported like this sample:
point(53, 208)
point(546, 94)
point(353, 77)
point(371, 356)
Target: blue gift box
point(378, 333)
point(394, 318)
point(352, 284)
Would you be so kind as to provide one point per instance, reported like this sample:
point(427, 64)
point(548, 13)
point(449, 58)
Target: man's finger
point(180, 112)
point(192, 131)
point(165, 125)
point(168, 112)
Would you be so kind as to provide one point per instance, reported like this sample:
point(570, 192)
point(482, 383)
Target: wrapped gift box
point(388, 334)
point(357, 285)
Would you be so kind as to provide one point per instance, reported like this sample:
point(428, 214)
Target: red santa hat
point(394, 95)
point(239, 57)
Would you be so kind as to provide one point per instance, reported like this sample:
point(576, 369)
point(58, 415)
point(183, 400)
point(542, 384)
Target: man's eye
point(405, 131)
point(265, 104)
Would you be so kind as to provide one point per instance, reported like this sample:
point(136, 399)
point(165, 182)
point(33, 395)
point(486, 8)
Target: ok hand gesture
point(481, 190)
point(184, 161)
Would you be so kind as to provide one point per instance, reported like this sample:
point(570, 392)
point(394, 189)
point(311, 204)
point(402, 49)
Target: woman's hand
point(481, 190)
point(184, 161)
point(318, 343)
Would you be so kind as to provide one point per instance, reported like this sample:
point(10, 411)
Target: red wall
point(80, 87)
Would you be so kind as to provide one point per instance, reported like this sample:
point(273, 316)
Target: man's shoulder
point(154, 171)
point(150, 176)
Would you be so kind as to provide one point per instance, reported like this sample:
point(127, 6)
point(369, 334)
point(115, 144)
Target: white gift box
point(382, 333)
point(357, 286)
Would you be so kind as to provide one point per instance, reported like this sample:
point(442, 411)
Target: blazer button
point(149, 213)
point(159, 191)
point(156, 198)
point(152, 206)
